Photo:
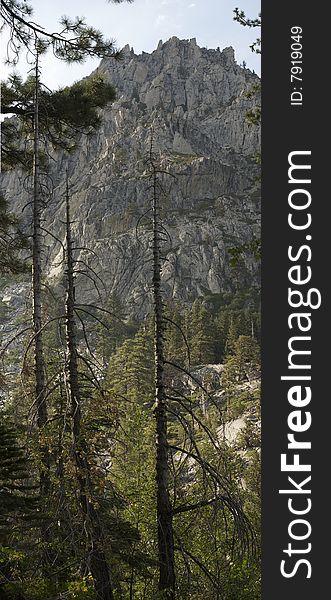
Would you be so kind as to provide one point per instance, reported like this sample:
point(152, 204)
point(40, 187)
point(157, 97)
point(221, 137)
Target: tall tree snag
point(37, 241)
point(164, 508)
point(96, 560)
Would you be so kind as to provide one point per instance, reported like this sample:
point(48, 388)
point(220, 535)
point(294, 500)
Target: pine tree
point(112, 330)
point(67, 110)
point(12, 242)
point(176, 345)
point(19, 505)
point(64, 115)
point(232, 336)
point(163, 504)
point(132, 470)
point(74, 43)
point(39, 363)
point(202, 340)
point(243, 364)
point(78, 107)
point(17, 502)
point(130, 371)
point(97, 561)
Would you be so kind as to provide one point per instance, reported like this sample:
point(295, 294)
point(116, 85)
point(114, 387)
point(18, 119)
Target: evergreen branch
point(32, 339)
point(196, 418)
point(201, 504)
point(183, 370)
point(86, 41)
point(112, 314)
point(243, 526)
point(183, 336)
point(6, 346)
point(77, 307)
point(91, 278)
point(201, 566)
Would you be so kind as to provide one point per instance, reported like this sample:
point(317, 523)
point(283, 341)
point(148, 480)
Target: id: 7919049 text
point(296, 66)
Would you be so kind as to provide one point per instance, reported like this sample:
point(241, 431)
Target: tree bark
point(164, 508)
point(97, 561)
point(39, 363)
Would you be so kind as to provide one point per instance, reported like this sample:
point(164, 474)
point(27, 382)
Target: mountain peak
point(195, 102)
point(183, 49)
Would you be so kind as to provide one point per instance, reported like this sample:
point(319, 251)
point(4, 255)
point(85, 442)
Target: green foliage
point(12, 242)
point(201, 335)
point(113, 329)
point(245, 352)
point(250, 436)
point(238, 316)
point(241, 371)
point(176, 343)
point(19, 505)
point(253, 247)
point(131, 368)
point(253, 116)
point(211, 327)
point(119, 426)
point(241, 402)
point(62, 115)
point(77, 105)
point(16, 497)
point(81, 590)
point(130, 385)
point(204, 562)
point(243, 364)
point(241, 18)
point(243, 582)
point(39, 588)
point(74, 43)
point(207, 561)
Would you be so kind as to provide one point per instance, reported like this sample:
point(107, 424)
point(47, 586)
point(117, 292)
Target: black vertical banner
point(296, 356)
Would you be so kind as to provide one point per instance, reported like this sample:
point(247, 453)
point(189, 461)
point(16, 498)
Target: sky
point(141, 25)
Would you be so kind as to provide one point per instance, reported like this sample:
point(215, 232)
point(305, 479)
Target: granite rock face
point(192, 102)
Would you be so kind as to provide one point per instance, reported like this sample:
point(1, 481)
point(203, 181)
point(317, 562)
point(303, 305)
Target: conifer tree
point(111, 332)
point(246, 358)
point(64, 114)
point(12, 242)
point(232, 336)
point(19, 504)
point(39, 362)
point(163, 504)
point(131, 385)
point(67, 111)
point(16, 499)
point(75, 41)
point(201, 335)
point(176, 345)
point(97, 561)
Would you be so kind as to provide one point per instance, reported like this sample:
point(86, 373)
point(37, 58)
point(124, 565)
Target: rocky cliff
point(195, 101)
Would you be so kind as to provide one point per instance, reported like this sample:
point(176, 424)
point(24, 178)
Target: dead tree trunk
point(97, 562)
point(164, 509)
point(39, 363)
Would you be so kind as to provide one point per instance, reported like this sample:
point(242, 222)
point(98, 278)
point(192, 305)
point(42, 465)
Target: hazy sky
point(142, 24)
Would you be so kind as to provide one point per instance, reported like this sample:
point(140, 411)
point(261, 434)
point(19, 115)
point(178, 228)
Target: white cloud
point(192, 5)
